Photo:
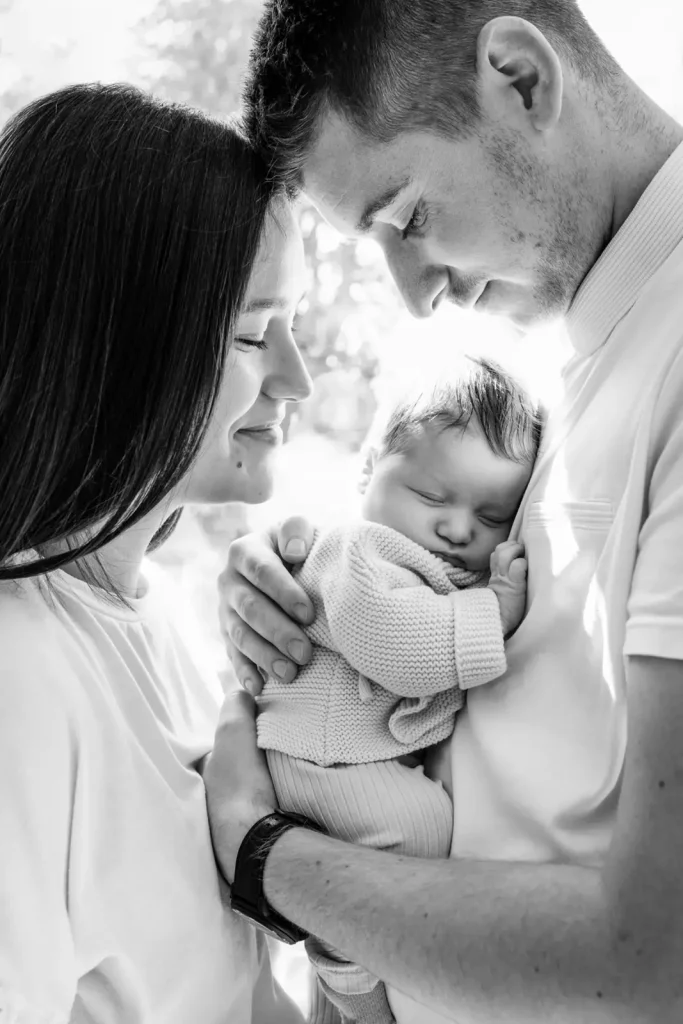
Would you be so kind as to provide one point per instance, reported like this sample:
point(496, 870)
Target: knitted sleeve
point(396, 631)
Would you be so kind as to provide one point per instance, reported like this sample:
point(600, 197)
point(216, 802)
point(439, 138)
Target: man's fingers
point(248, 675)
point(269, 623)
point(255, 649)
point(253, 558)
point(295, 539)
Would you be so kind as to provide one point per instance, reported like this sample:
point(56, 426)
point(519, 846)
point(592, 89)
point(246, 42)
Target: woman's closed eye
point(251, 343)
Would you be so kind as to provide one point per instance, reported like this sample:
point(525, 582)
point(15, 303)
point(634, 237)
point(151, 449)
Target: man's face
point(499, 221)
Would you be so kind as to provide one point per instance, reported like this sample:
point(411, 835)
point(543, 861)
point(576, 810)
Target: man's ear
point(520, 74)
point(369, 456)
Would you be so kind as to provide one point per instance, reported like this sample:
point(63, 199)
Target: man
point(503, 160)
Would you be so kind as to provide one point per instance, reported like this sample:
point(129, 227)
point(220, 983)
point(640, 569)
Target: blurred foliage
point(20, 85)
point(196, 53)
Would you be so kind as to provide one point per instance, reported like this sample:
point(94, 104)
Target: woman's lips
point(271, 435)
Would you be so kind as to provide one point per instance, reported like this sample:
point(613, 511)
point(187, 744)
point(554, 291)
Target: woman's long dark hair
point(128, 230)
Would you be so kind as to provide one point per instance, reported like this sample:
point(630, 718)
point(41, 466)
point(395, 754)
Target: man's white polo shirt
point(537, 757)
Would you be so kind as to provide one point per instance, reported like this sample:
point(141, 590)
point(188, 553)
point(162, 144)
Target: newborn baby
point(413, 604)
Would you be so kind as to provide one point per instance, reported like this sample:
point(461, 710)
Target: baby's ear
point(369, 457)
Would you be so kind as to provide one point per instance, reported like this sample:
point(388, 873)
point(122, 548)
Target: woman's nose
point(289, 380)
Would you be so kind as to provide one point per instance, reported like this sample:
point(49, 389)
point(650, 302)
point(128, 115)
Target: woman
point(148, 284)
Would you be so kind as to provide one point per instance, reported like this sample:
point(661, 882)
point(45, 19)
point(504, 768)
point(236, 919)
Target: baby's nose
point(456, 527)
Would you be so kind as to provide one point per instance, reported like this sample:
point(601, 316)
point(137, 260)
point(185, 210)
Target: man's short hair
point(387, 66)
point(484, 393)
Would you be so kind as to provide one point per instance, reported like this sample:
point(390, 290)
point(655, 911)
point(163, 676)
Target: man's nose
point(455, 527)
point(423, 287)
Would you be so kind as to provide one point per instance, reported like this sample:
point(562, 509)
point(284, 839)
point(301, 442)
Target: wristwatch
point(246, 892)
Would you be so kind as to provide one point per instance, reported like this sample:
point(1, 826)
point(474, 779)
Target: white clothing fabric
point(537, 756)
point(109, 901)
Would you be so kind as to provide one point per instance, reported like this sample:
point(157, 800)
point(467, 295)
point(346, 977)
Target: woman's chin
point(249, 490)
point(257, 497)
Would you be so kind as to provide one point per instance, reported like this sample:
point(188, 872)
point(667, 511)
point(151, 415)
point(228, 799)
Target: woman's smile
point(270, 434)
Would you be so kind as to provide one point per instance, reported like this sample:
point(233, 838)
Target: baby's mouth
point(454, 560)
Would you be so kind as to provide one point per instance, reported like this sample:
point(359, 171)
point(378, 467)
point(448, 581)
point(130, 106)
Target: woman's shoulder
point(36, 670)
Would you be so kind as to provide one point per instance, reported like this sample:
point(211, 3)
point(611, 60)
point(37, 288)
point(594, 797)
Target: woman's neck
point(120, 561)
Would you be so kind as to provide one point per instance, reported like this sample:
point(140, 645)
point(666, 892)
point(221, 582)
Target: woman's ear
point(520, 74)
point(369, 456)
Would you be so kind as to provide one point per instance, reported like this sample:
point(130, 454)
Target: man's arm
point(520, 943)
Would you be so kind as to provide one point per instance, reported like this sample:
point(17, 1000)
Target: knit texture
point(398, 635)
point(383, 804)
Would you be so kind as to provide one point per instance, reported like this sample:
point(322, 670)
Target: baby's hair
point(508, 418)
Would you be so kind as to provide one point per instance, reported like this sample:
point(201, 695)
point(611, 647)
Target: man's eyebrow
point(380, 203)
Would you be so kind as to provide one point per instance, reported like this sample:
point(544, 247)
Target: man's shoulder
point(658, 308)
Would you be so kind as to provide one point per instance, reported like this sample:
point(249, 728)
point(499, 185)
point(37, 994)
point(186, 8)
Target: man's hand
point(260, 604)
point(508, 582)
point(239, 790)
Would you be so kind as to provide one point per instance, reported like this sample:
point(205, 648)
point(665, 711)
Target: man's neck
point(644, 136)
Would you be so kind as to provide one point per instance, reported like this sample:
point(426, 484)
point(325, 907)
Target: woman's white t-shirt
point(109, 901)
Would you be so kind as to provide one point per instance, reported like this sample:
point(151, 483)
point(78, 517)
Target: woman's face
point(263, 372)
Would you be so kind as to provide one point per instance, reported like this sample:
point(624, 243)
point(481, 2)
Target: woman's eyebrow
point(261, 305)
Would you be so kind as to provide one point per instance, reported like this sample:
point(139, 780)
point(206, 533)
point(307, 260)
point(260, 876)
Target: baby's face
point(449, 493)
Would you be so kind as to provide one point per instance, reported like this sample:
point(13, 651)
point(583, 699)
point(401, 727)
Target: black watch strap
point(246, 893)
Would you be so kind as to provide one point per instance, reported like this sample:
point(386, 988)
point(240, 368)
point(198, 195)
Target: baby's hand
point(508, 582)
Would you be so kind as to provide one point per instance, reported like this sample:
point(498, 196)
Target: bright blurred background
point(358, 340)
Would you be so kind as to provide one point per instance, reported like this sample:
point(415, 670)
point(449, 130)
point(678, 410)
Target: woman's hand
point(260, 604)
point(239, 790)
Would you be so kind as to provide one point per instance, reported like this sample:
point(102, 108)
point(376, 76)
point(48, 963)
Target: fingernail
point(301, 612)
point(280, 669)
point(250, 686)
point(296, 649)
point(295, 547)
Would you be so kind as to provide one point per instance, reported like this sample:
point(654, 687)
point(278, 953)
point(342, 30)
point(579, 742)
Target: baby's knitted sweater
point(398, 635)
